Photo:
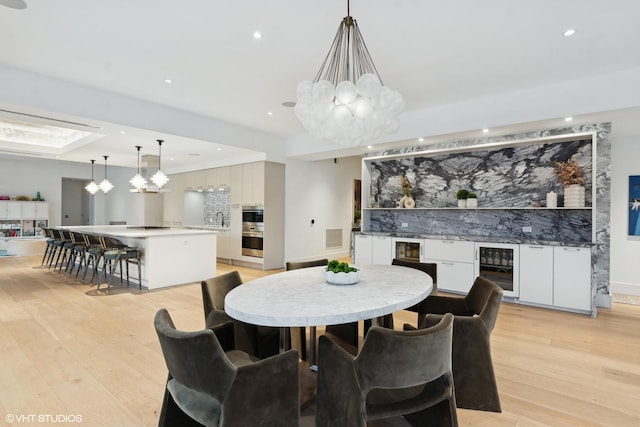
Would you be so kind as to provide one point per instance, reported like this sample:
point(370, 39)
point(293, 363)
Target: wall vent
point(333, 238)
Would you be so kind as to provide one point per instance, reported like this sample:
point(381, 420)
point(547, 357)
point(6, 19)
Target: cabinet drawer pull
point(535, 247)
point(446, 263)
point(448, 242)
point(572, 249)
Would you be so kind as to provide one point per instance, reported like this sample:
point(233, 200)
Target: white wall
point(26, 176)
point(625, 249)
point(320, 190)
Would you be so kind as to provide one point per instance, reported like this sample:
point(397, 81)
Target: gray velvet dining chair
point(260, 341)
point(213, 387)
point(396, 373)
point(474, 318)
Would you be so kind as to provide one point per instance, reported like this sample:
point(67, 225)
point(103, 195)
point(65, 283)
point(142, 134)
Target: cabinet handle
point(381, 237)
point(447, 263)
point(448, 242)
point(571, 249)
point(535, 247)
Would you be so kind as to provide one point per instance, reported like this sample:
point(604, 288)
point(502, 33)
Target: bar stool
point(78, 250)
point(115, 253)
point(60, 248)
point(94, 254)
point(50, 241)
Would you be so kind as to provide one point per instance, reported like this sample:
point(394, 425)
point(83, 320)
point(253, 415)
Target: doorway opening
point(77, 204)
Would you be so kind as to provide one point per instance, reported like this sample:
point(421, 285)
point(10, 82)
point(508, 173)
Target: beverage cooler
point(408, 249)
point(499, 263)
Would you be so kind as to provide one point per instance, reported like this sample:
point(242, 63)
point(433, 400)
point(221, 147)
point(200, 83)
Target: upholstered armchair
point(396, 373)
point(474, 318)
point(214, 387)
point(260, 341)
point(429, 268)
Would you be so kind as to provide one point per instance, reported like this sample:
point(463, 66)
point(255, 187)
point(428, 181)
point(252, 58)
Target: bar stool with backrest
point(65, 249)
point(50, 241)
point(77, 252)
point(114, 254)
point(94, 253)
point(57, 246)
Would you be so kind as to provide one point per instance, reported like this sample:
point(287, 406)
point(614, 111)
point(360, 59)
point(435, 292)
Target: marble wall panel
point(509, 177)
point(498, 185)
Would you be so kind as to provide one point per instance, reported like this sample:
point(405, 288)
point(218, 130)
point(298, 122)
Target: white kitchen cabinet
point(174, 200)
point(189, 181)
point(454, 276)
point(23, 219)
point(363, 249)
point(572, 277)
point(455, 260)
point(536, 274)
point(381, 250)
point(253, 182)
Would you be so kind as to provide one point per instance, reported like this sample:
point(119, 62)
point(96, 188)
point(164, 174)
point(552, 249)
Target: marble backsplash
point(546, 224)
point(518, 176)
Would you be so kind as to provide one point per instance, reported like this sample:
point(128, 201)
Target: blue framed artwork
point(634, 205)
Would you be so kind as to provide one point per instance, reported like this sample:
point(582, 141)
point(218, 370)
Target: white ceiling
point(433, 52)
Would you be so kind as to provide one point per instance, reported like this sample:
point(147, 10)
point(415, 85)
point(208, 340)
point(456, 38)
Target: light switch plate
point(404, 225)
point(526, 229)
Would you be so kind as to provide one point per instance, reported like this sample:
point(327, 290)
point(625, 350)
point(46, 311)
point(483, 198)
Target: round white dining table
point(304, 298)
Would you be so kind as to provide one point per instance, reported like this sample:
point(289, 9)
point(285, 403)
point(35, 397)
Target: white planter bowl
point(350, 278)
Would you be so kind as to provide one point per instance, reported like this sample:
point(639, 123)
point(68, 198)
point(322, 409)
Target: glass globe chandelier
point(105, 185)
point(138, 182)
point(347, 103)
point(92, 187)
point(159, 178)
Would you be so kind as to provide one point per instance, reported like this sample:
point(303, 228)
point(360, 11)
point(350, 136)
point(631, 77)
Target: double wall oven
point(252, 230)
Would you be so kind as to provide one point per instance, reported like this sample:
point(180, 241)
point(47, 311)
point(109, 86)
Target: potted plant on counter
point(462, 195)
point(472, 200)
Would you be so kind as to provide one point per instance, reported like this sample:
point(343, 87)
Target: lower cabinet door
point(572, 277)
point(536, 274)
point(454, 276)
point(362, 249)
point(381, 250)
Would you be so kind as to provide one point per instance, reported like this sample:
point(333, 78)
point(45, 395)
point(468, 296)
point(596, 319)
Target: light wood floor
point(64, 350)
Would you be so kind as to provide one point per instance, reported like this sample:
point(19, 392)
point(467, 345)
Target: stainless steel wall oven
point(252, 231)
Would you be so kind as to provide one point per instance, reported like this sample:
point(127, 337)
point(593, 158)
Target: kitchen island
point(170, 256)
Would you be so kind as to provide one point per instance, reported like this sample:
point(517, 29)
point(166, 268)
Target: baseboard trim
point(625, 288)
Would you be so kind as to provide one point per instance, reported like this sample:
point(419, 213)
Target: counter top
point(124, 231)
point(486, 239)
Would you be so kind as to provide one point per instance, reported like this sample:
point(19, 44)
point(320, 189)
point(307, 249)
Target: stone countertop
point(486, 239)
point(124, 231)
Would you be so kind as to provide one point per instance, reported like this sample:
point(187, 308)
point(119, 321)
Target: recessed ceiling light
point(420, 139)
point(123, 132)
point(219, 149)
point(168, 81)
point(485, 130)
point(257, 35)
point(569, 32)
point(170, 158)
point(269, 113)
point(568, 119)
point(369, 147)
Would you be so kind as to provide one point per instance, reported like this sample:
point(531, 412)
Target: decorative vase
point(462, 203)
point(409, 203)
point(552, 200)
point(574, 196)
point(401, 202)
point(472, 203)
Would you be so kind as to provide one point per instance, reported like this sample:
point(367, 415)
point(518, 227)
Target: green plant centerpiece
point(340, 267)
point(341, 273)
